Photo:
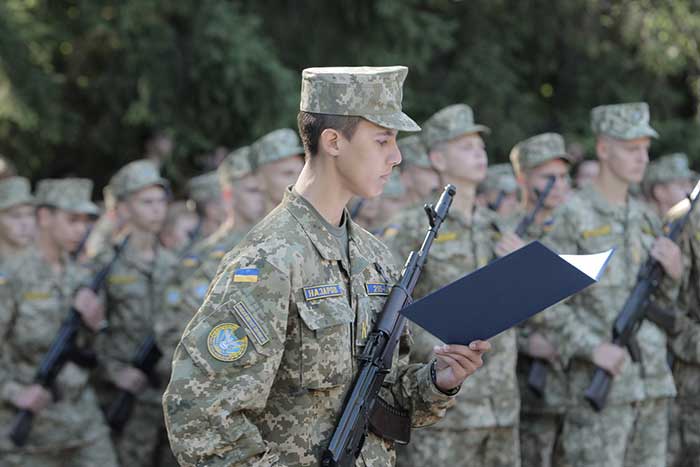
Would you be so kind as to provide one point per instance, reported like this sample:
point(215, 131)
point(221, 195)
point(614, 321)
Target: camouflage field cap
point(413, 153)
point(373, 93)
point(204, 187)
point(135, 176)
point(537, 150)
point(623, 121)
point(667, 168)
point(15, 191)
point(499, 177)
point(393, 187)
point(236, 165)
point(275, 146)
point(69, 194)
point(449, 123)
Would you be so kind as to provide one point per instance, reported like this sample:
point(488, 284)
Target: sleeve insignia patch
point(190, 261)
point(217, 253)
point(249, 321)
point(200, 290)
point(374, 288)
point(318, 292)
point(3, 279)
point(246, 275)
point(227, 342)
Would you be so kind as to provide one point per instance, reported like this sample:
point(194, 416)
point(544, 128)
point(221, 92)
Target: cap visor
point(396, 121)
point(644, 131)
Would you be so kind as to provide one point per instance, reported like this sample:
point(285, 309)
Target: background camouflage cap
point(275, 146)
point(413, 153)
point(499, 177)
point(236, 165)
point(393, 187)
point(203, 188)
point(15, 191)
point(623, 121)
point(537, 150)
point(667, 168)
point(69, 194)
point(135, 176)
point(373, 93)
point(449, 123)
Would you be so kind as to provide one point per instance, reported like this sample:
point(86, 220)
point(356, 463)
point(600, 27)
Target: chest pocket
point(325, 342)
point(40, 315)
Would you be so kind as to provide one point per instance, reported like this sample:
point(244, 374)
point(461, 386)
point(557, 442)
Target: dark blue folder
point(498, 296)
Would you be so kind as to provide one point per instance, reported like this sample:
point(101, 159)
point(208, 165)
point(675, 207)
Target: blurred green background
point(85, 83)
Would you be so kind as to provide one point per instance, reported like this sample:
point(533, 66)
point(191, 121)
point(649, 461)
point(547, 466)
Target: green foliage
point(83, 83)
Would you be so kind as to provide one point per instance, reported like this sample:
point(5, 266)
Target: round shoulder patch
point(223, 343)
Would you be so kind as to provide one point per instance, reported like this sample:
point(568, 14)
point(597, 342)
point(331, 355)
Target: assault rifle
point(63, 349)
point(634, 311)
point(364, 409)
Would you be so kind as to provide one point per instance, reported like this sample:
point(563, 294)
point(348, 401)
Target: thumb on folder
point(457, 362)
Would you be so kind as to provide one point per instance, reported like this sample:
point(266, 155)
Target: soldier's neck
point(50, 251)
point(143, 244)
point(465, 199)
point(324, 191)
point(611, 188)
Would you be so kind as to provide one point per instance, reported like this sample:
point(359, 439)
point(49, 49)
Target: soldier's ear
point(328, 142)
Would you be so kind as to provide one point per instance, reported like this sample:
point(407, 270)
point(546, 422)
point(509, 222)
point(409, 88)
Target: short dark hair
point(311, 125)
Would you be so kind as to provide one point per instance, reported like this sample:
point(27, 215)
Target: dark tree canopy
point(84, 83)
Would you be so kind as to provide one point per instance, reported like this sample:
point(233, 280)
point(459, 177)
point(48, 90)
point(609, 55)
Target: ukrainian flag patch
point(3, 279)
point(246, 275)
point(190, 261)
point(318, 292)
point(375, 288)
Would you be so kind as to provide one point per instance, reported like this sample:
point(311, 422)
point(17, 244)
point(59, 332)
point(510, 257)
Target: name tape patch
point(375, 288)
point(599, 232)
point(318, 292)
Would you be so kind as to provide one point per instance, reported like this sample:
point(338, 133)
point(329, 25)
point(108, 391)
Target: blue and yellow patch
point(190, 261)
point(200, 289)
point(249, 321)
point(390, 231)
point(3, 279)
point(217, 253)
point(226, 342)
point(246, 275)
point(318, 292)
point(375, 288)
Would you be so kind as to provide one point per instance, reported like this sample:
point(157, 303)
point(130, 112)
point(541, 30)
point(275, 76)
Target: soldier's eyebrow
point(386, 132)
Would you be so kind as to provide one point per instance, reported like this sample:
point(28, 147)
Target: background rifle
point(634, 311)
point(375, 362)
point(62, 350)
point(537, 377)
point(145, 360)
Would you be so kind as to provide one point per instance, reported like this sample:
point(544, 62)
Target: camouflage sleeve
point(686, 344)
point(565, 324)
point(415, 392)
point(666, 294)
point(9, 386)
point(224, 367)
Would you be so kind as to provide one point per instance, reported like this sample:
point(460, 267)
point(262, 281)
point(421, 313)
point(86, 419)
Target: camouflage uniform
point(482, 427)
point(684, 435)
point(34, 301)
point(632, 429)
point(135, 290)
point(540, 418)
point(262, 371)
point(14, 191)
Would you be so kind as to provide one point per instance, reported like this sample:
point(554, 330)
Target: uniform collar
point(322, 239)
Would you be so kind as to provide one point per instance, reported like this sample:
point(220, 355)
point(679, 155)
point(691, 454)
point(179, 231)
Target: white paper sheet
point(591, 265)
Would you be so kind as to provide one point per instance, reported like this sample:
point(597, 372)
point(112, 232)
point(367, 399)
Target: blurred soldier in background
point(204, 191)
point(17, 216)
point(277, 158)
point(418, 177)
point(178, 228)
point(499, 191)
point(135, 289)
point(37, 288)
